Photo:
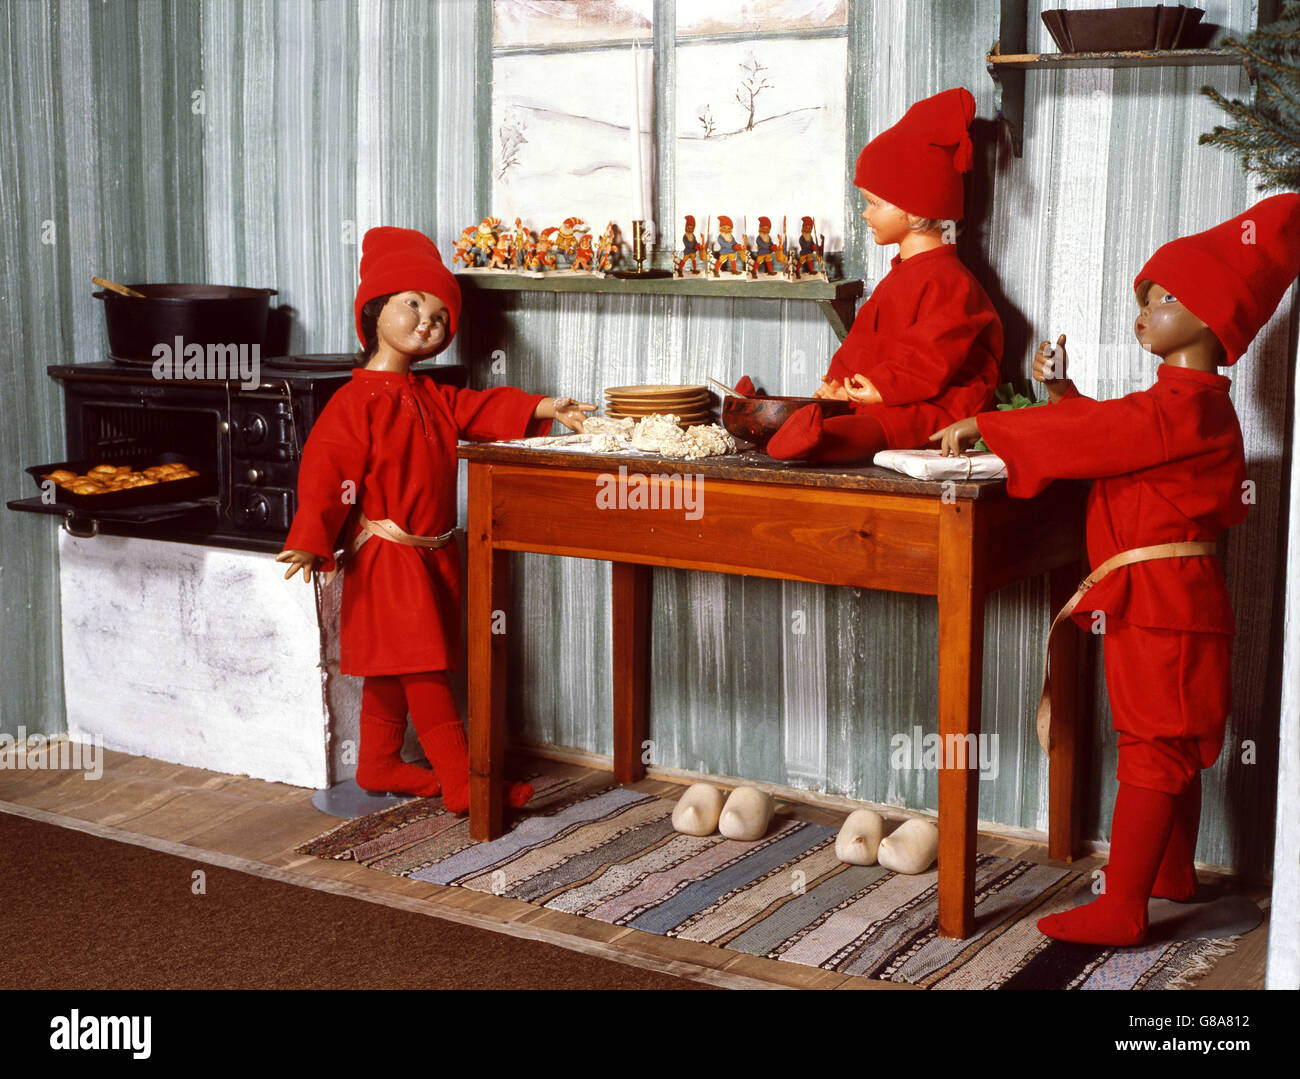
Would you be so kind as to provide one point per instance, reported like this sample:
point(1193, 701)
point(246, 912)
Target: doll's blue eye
point(1168, 297)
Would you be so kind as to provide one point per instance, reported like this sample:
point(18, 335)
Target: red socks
point(380, 767)
point(1176, 878)
point(841, 440)
point(1139, 833)
point(442, 735)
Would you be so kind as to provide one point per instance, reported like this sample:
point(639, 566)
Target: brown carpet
point(89, 913)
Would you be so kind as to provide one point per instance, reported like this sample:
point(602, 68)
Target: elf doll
point(925, 348)
point(381, 461)
point(1170, 476)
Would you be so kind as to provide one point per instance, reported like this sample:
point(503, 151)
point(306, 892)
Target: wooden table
point(863, 527)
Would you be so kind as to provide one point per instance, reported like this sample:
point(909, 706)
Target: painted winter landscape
point(759, 124)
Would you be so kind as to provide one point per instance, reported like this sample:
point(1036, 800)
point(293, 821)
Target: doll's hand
point(298, 560)
point(1050, 367)
point(570, 412)
point(859, 389)
point(957, 437)
point(832, 389)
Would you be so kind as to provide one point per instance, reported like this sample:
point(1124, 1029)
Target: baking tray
point(169, 491)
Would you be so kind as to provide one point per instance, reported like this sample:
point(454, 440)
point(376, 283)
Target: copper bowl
point(756, 419)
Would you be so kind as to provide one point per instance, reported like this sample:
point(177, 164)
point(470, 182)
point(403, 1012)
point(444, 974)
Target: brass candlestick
point(639, 254)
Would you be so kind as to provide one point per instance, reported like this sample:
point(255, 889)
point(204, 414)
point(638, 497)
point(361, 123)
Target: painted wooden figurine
point(464, 247)
point(583, 254)
point(1170, 476)
point(765, 250)
point(379, 472)
point(730, 250)
point(566, 237)
point(810, 250)
point(485, 239)
point(607, 248)
point(692, 249)
point(523, 243)
point(541, 257)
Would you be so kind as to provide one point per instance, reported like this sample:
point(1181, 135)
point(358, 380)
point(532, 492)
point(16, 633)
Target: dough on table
point(859, 838)
point(747, 814)
point(911, 848)
point(698, 810)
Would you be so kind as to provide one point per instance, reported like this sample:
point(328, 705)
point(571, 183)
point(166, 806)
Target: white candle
point(638, 178)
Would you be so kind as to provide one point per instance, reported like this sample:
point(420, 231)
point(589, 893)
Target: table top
point(750, 466)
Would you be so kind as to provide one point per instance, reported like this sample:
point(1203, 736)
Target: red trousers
point(1170, 694)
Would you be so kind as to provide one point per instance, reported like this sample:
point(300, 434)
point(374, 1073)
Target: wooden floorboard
point(254, 826)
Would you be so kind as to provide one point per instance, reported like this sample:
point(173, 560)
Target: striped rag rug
point(611, 854)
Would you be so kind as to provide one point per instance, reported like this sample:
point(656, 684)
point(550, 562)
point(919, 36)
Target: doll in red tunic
point(926, 347)
point(1169, 470)
point(381, 463)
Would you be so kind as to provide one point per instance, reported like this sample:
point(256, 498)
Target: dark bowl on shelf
point(756, 419)
point(1151, 27)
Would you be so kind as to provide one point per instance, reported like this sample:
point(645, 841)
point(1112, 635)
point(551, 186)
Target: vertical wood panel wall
point(315, 121)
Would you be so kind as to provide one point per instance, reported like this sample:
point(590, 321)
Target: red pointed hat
point(1233, 276)
point(401, 260)
point(918, 163)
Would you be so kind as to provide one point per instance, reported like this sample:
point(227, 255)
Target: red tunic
point(930, 341)
point(387, 442)
point(1170, 466)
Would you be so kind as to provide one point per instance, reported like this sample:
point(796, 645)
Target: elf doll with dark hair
point(925, 348)
point(1170, 476)
point(380, 463)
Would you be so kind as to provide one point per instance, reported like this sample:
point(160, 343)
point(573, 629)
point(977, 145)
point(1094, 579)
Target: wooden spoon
point(121, 290)
point(725, 389)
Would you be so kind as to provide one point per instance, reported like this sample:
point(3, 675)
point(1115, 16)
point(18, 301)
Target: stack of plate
point(690, 404)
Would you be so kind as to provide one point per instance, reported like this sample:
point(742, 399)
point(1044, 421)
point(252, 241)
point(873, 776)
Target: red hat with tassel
point(918, 163)
point(402, 260)
point(1233, 276)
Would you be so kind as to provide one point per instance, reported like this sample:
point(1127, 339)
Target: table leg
point(631, 641)
point(961, 660)
point(487, 625)
point(1066, 650)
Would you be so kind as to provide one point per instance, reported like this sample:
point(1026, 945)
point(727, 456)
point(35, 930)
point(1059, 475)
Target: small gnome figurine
point(464, 246)
point(765, 249)
point(729, 248)
point(809, 250)
point(485, 239)
point(692, 248)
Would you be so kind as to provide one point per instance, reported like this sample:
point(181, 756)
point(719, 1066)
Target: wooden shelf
point(837, 299)
point(1008, 61)
point(1030, 61)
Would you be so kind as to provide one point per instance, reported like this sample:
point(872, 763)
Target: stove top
point(316, 366)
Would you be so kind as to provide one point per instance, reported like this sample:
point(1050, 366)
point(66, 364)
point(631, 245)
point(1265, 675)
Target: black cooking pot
point(198, 314)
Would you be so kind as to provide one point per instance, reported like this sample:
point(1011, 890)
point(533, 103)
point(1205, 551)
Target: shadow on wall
point(973, 243)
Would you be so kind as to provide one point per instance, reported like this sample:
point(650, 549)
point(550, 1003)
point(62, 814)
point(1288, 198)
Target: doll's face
point(888, 224)
point(1164, 325)
point(414, 323)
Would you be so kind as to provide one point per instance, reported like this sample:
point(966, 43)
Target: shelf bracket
point(1009, 86)
point(839, 313)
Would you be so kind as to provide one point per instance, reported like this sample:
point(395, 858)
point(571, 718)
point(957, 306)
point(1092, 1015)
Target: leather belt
point(389, 530)
point(1182, 549)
